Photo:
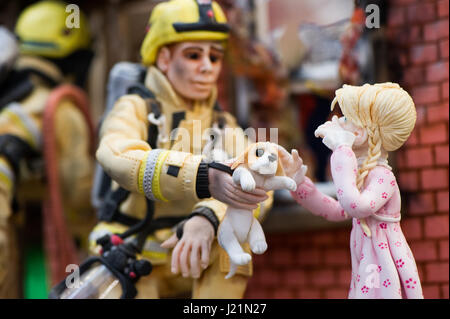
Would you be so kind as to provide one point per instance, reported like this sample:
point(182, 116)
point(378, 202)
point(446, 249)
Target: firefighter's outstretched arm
point(160, 174)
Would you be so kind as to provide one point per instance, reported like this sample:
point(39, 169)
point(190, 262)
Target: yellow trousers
point(161, 283)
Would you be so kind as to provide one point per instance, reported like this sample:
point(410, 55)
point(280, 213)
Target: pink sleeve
point(317, 203)
point(374, 195)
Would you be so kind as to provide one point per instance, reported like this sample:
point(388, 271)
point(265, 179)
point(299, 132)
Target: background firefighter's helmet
point(42, 30)
point(183, 20)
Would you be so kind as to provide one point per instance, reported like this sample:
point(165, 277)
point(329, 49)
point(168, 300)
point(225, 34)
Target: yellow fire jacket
point(24, 120)
point(129, 160)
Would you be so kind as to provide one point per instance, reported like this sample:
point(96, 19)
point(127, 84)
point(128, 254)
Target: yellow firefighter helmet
point(183, 20)
point(52, 29)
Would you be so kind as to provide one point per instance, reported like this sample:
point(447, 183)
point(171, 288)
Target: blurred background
point(286, 59)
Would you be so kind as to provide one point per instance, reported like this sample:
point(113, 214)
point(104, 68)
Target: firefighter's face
point(192, 67)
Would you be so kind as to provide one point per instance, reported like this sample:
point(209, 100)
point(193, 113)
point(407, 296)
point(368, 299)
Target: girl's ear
point(361, 136)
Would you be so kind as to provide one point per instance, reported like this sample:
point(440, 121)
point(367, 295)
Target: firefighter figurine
point(151, 146)
point(45, 139)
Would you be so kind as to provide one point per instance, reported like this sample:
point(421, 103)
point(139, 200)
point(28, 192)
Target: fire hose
point(58, 242)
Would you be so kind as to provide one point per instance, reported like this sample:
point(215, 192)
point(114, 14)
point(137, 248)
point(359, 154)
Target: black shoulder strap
point(14, 149)
point(16, 87)
point(110, 212)
point(219, 117)
point(153, 106)
point(217, 107)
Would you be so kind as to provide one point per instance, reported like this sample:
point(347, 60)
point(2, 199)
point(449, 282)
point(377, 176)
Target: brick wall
point(317, 264)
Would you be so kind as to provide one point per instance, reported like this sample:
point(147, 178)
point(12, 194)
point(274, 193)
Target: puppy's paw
point(241, 259)
point(291, 184)
point(248, 184)
point(259, 246)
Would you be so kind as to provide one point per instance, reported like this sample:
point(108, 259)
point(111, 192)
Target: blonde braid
point(373, 155)
point(369, 163)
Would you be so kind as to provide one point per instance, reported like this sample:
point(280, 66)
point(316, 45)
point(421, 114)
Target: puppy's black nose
point(272, 157)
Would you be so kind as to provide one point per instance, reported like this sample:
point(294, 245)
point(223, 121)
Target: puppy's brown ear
point(242, 159)
point(280, 169)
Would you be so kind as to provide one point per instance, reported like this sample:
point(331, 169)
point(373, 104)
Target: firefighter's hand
point(222, 188)
point(191, 252)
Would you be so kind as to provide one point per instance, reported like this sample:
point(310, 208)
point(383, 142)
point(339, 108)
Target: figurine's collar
point(157, 82)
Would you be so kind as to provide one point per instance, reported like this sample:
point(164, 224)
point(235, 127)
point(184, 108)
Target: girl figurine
point(377, 119)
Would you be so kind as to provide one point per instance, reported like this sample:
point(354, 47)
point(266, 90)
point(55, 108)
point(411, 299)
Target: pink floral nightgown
point(382, 265)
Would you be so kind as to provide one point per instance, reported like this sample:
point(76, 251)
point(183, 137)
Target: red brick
point(422, 203)
point(337, 257)
point(283, 293)
point(344, 277)
point(412, 139)
point(431, 292)
point(269, 277)
point(437, 72)
point(444, 90)
point(442, 201)
point(402, 56)
point(438, 113)
point(444, 290)
point(436, 226)
point(294, 278)
point(441, 155)
point(424, 251)
point(395, 33)
point(443, 249)
point(443, 49)
point(400, 158)
point(308, 294)
point(292, 240)
point(423, 53)
point(437, 272)
point(436, 30)
point(442, 8)
point(421, 113)
point(309, 257)
point(341, 237)
point(421, 12)
point(426, 94)
point(323, 278)
point(282, 256)
point(408, 181)
point(396, 17)
point(433, 134)
point(336, 293)
point(322, 238)
point(402, 2)
point(413, 75)
point(258, 276)
point(414, 35)
point(419, 157)
point(257, 293)
point(421, 271)
point(276, 239)
point(412, 228)
point(434, 178)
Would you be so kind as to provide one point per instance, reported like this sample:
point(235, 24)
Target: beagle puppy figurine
point(258, 167)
